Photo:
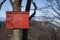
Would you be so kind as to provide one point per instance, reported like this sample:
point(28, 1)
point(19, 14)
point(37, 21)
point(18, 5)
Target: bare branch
point(58, 4)
point(54, 15)
point(55, 11)
point(2, 3)
point(11, 2)
point(34, 11)
point(57, 22)
point(39, 9)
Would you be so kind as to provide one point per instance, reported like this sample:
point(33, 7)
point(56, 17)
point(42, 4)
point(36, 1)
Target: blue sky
point(7, 7)
point(40, 3)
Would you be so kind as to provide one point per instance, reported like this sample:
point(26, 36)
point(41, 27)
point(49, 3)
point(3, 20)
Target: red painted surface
point(17, 20)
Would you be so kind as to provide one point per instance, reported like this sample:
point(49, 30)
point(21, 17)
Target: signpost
point(17, 20)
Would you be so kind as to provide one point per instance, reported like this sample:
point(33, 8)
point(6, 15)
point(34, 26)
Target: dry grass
point(37, 31)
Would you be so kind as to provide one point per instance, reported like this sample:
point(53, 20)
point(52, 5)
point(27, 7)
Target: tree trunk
point(28, 5)
point(17, 5)
point(16, 32)
point(25, 31)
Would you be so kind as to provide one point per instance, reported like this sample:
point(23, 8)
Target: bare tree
point(58, 6)
point(16, 5)
point(2, 3)
point(25, 31)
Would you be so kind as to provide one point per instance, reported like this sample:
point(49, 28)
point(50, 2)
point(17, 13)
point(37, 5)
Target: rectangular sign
point(17, 20)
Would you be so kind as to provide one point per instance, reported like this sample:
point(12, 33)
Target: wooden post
point(17, 21)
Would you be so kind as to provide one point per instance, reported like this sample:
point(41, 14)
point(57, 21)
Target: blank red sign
point(17, 20)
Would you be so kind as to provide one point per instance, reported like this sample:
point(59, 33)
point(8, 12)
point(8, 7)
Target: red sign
point(17, 20)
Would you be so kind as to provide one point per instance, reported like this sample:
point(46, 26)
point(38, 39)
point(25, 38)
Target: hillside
point(39, 30)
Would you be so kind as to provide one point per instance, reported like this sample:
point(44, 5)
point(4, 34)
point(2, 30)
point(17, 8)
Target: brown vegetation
point(37, 31)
